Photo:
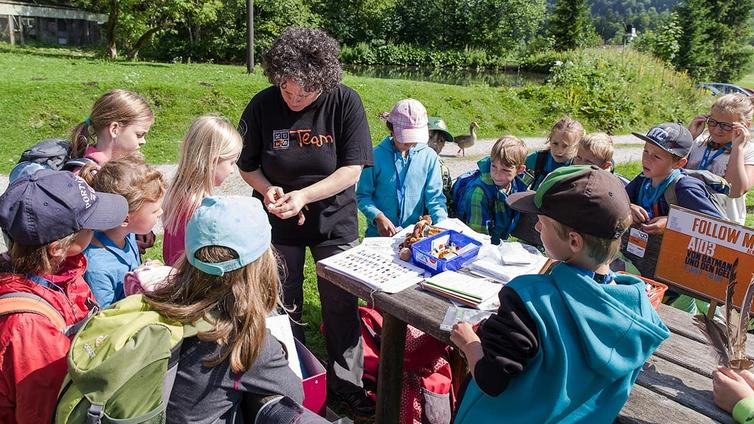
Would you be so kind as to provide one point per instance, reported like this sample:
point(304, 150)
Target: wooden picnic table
point(675, 385)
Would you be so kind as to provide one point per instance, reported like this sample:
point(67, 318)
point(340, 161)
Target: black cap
point(671, 137)
point(586, 198)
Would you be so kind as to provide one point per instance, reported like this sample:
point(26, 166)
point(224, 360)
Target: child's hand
point(638, 214)
point(728, 387)
point(462, 334)
point(384, 226)
point(696, 126)
point(656, 225)
point(145, 241)
point(741, 134)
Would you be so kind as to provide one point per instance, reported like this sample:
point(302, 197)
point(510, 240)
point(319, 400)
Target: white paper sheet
point(280, 327)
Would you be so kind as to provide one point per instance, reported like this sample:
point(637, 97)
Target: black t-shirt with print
point(298, 149)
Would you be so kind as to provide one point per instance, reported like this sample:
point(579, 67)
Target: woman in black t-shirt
point(306, 140)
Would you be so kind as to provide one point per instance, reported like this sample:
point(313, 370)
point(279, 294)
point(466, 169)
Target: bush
point(410, 55)
point(613, 90)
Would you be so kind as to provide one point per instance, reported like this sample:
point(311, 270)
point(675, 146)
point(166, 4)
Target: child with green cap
point(577, 336)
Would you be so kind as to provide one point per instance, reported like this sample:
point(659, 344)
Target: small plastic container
point(655, 289)
point(468, 247)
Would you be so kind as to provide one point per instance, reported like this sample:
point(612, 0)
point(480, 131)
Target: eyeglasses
point(725, 126)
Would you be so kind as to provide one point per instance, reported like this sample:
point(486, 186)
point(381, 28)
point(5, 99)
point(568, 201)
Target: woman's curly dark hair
point(306, 55)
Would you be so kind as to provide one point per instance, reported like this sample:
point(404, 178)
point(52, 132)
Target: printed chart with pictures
point(378, 270)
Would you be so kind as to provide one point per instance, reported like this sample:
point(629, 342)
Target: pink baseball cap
point(409, 119)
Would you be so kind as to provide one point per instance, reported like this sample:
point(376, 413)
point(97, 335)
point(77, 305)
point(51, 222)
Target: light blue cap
point(236, 222)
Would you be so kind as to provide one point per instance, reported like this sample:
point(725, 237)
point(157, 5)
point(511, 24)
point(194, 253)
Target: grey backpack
point(52, 154)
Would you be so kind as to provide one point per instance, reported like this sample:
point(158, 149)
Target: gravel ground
point(629, 150)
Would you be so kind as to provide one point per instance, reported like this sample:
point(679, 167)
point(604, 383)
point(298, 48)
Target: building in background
point(24, 23)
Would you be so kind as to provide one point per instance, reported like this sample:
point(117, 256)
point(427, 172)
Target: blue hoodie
point(403, 189)
point(594, 339)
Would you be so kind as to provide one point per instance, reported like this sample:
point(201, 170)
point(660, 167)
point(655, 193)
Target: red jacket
point(32, 351)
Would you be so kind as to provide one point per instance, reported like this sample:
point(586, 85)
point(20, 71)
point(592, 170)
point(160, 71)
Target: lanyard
point(44, 282)
point(649, 196)
point(599, 278)
point(706, 160)
point(400, 183)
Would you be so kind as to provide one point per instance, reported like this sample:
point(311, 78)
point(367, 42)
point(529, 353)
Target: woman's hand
point(656, 225)
point(289, 205)
point(696, 126)
point(638, 214)
point(384, 226)
point(729, 387)
point(272, 195)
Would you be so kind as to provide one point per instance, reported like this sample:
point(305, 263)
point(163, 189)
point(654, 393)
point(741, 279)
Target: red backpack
point(427, 395)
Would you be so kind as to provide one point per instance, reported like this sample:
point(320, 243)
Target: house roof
point(17, 8)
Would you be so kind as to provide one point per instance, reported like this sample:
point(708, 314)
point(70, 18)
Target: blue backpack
point(461, 187)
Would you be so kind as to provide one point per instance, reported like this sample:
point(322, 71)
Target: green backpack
point(122, 365)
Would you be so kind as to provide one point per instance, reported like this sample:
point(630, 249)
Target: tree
point(133, 23)
point(715, 40)
point(570, 24)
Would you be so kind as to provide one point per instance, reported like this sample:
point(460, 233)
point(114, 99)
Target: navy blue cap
point(671, 137)
point(49, 205)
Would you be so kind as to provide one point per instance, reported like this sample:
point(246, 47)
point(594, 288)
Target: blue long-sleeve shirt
point(402, 188)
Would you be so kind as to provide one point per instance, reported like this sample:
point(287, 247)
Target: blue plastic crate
point(421, 251)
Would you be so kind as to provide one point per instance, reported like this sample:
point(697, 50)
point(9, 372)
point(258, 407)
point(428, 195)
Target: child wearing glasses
point(725, 149)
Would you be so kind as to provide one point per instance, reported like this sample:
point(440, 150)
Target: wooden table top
point(675, 385)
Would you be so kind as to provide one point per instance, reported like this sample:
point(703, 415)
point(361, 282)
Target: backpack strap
point(78, 163)
point(539, 165)
point(23, 302)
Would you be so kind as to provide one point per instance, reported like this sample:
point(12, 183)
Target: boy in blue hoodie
point(575, 338)
point(663, 181)
point(405, 181)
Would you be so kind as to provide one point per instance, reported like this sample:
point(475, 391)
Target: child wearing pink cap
point(405, 181)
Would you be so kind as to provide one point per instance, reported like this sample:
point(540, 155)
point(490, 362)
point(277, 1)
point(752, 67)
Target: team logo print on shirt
point(280, 139)
point(306, 138)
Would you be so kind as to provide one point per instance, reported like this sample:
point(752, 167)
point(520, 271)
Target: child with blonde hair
point(598, 149)
point(116, 126)
point(208, 155)
point(229, 279)
point(48, 218)
point(577, 336)
point(726, 150)
point(561, 148)
point(479, 196)
point(114, 252)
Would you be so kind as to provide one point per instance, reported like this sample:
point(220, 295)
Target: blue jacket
point(593, 340)
point(108, 266)
point(380, 189)
point(473, 205)
point(691, 192)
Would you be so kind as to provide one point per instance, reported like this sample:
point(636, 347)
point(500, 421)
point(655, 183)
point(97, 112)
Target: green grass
point(47, 91)
point(748, 79)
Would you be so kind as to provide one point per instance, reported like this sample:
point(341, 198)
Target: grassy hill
point(47, 91)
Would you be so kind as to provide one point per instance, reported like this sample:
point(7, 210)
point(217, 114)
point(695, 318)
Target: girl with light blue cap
point(230, 279)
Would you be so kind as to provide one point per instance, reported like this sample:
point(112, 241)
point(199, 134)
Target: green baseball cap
point(586, 198)
point(437, 124)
